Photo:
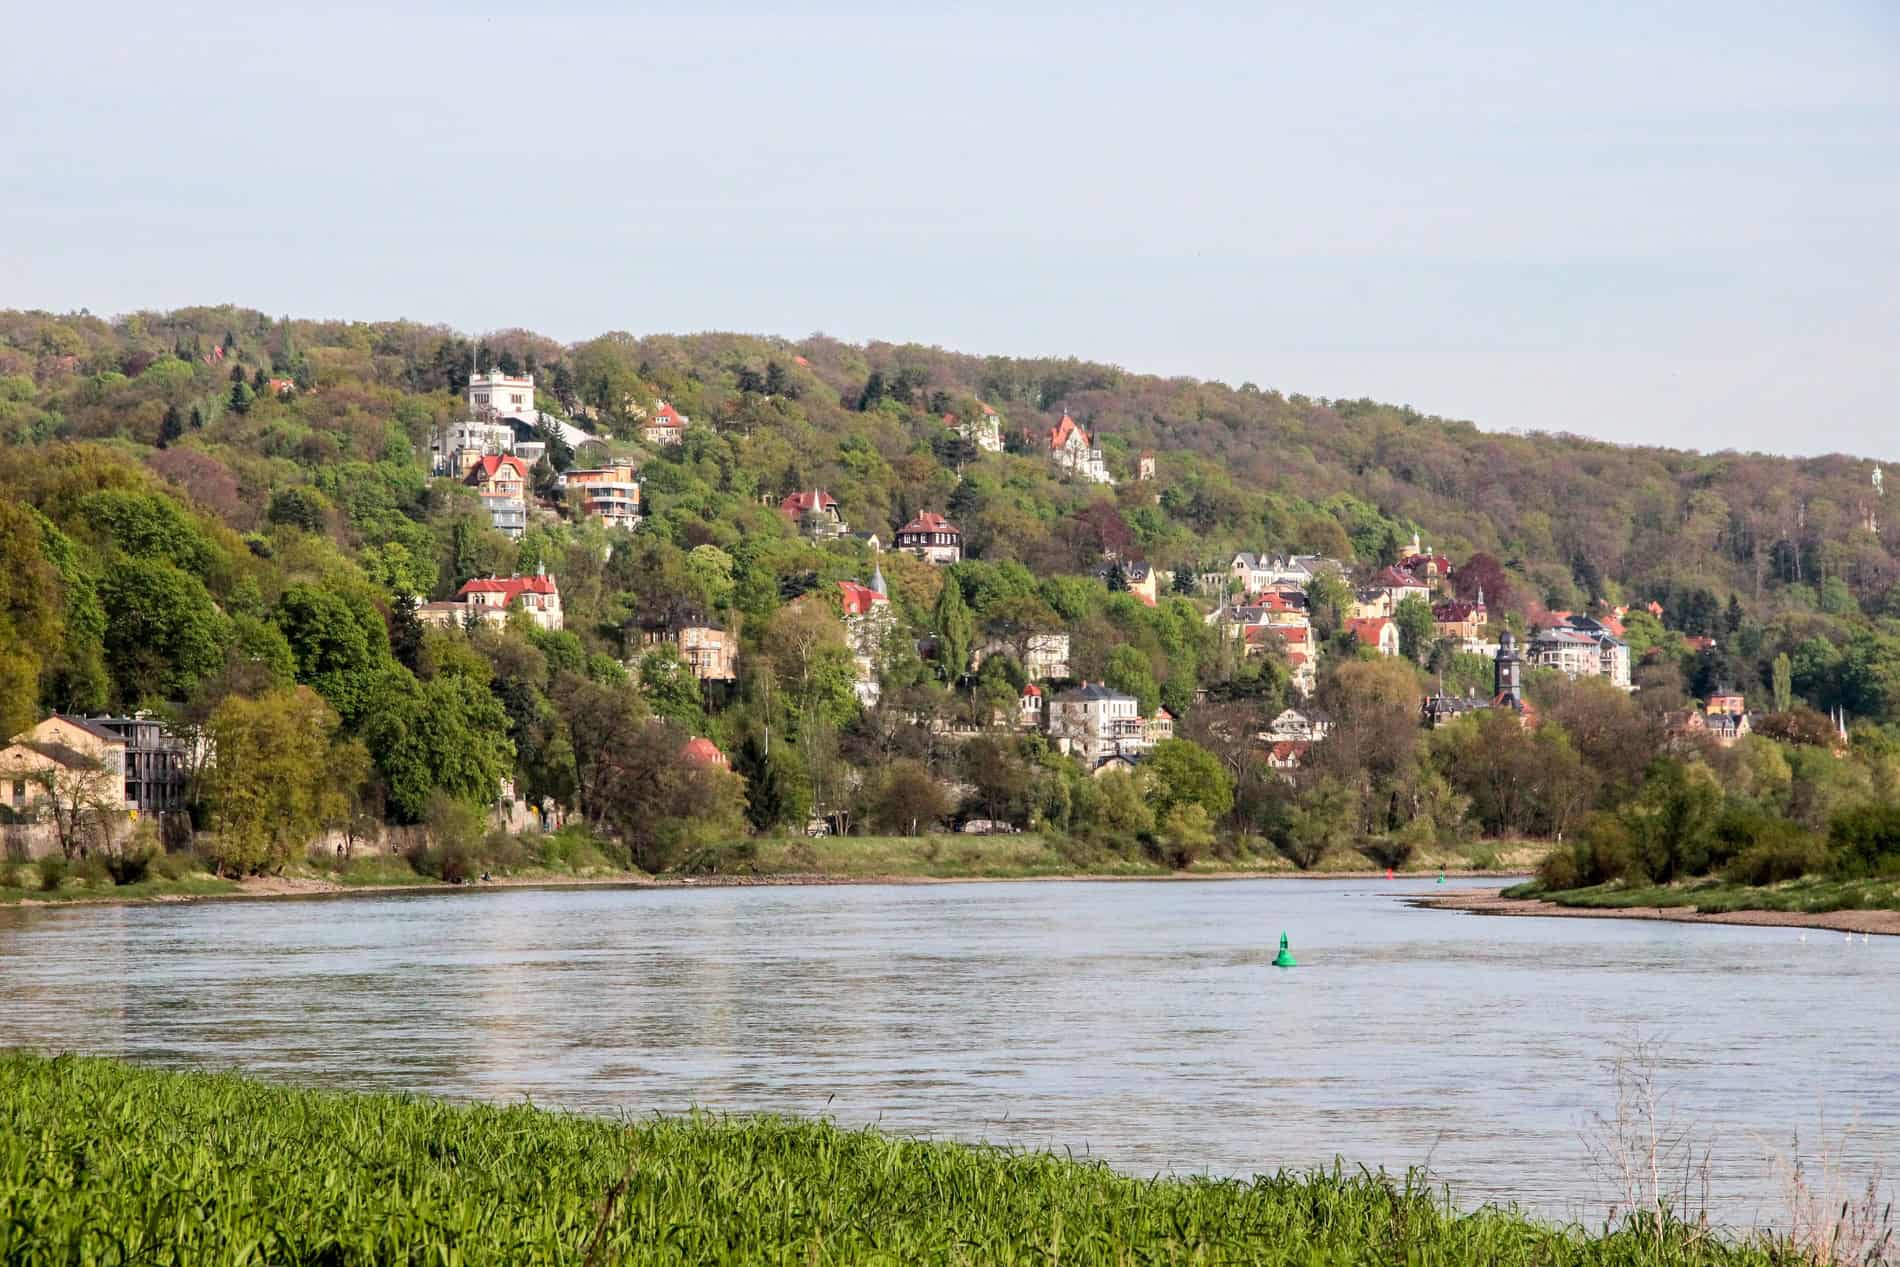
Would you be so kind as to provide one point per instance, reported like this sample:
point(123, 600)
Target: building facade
point(502, 483)
point(610, 493)
point(931, 538)
point(1073, 452)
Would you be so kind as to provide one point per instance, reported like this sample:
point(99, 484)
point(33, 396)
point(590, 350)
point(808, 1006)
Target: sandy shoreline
point(261, 887)
point(1491, 902)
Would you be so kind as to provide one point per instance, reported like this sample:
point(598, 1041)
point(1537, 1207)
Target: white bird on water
point(1804, 936)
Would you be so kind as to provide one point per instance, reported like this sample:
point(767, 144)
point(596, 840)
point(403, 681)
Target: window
point(19, 794)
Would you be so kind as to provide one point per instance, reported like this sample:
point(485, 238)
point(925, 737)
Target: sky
point(1674, 224)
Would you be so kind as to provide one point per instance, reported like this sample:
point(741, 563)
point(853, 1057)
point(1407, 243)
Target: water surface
point(1137, 1022)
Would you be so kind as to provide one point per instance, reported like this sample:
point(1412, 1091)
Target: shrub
point(9, 874)
point(1561, 870)
point(1780, 858)
point(52, 873)
point(1866, 840)
point(1389, 851)
point(92, 869)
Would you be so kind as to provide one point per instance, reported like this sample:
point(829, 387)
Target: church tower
point(1509, 679)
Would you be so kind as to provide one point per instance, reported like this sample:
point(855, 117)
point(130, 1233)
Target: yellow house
point(62, 744)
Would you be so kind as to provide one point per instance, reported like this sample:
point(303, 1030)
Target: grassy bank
point(1810, 895)
point(106, 1163)
point(572, 856)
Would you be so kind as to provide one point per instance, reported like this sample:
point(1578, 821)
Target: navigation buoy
point(1285, 958)
point(1388, 873)
point(1441, 875)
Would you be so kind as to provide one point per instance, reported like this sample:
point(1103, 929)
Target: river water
point(1140, 1023)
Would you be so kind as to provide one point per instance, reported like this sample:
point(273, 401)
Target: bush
point(1388, 851)
point(52, 873)
point(176, 866)
point(1866, 840)
point(1561, 869)
point(92, 869)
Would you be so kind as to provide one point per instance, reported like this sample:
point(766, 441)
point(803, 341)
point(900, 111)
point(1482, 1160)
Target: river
point(1140, 1023)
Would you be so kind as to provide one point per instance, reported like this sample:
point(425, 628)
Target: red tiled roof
point(1368, 629)
point(1455, 610)
point(1393, 577)
point(799, 360)
point(798, 503)
point(1060, 433)
point(929, 521)
point(700, 750)
point(664, 415)
point(485, 469)
point(859, 599)
point(986, 409)
point(512, 586)
point(1032, 689)
point(1287, 749)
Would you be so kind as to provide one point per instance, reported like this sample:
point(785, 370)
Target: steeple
point(1508, 683)
point(877, 579)
point(1481, 596)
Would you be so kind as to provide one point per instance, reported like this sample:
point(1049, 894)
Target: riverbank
point(821, 861)
point(102, 1161)
point(1494, 902)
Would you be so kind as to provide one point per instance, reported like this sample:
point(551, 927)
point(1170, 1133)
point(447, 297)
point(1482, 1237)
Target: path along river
point(1138, 1022)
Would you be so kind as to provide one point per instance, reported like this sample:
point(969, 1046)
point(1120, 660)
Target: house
point(1141, 579)
point(1259, 572)
point(1380, 634)
point(460, 445)
point(1400, 585)
point(1029, 708)
point(1044, 656)
point(1287, 754)
point(1424, 564)
point(1507, 691)
point(1730, 702)
point(704, 753)
point(664, 426)
point(154, 762)
point(1581, 647)
point(502, 482)
point(1370, 604)
point(815, 514)
point(1439, 709)
point(709, 649)
point(494, 396)
point(1459, 620)
point(1115, 762)
point(1728, 728)
point(610, 493)
point(1145, 466)
point(931, 538)
point(1094, 721)
point(985, 431)
point(71, 753)
point(489, 600)
point(1299, 723)
point(1073, 452)
point(868, 622)
point(1158, 727)
point(1301, 656)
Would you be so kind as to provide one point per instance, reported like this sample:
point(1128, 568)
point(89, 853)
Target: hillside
point(212, 504)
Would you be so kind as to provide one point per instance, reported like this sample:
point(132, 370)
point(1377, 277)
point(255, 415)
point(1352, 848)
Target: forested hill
point(1573, 520)
point(1766, 554)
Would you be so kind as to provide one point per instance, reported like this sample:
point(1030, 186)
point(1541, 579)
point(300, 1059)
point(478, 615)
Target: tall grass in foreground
point(105, 1163)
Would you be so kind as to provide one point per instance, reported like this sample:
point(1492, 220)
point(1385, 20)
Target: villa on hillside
point(709, 649)
point(489, 599)
point(1093, 722)
point(1380, 634)
point(1580, 647)
point(502, 483)
point(609, 493)
point(815, 514)
point(869, 621)
point(1459, 620)
point(985, 431)
point(1074, 452)
point(931, 538)
point(664, 426)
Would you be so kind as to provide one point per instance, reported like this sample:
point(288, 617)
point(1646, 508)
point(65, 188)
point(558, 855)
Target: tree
point(956, 630)
point(340, 643)
point(171, 427)
point(1130, 671)
point(670, 688)
point(278, 777)
point(163, 632)
point(1483, 572)
point(449, 734)
point(78, 796)
point(1183, 773)
point(1327, 599)
point(909, 801)
point(806, 647)
point(775, 794)
point(1783, 683)
point(1413, 616)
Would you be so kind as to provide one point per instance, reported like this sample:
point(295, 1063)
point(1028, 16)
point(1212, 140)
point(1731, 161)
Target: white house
point(1094, 721)
point(1072, 450)
point(494, 396)
point(489, 600)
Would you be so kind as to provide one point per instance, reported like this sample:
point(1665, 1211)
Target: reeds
point(106, 1163)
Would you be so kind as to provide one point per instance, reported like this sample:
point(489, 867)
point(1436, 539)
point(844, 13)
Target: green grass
point(1809, 895)
point(936, 857)
point(106, 1163)
point(77, 887)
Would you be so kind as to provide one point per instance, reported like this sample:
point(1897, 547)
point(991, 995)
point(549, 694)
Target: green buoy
point(1285, 958)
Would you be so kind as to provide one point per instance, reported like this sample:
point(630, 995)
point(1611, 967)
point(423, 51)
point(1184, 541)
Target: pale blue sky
point(1674, 223)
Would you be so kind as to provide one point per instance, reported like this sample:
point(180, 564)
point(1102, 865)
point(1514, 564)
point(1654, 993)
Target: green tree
point(1413, 616)
point(1184, 773)
point(447, 735)
point(1783, 682)
point(340, 643)
point(956, 630)
point(1129, 671)
point(909, 801)
point(279, 775)
point(163, 633)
